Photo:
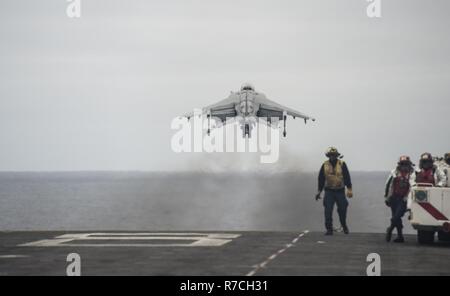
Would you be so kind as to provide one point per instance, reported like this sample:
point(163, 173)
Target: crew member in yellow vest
point(334, 177)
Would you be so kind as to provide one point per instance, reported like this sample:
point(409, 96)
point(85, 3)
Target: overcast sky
point(100, 92)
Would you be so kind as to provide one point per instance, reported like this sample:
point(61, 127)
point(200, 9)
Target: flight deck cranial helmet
point(247, 87)
point(405, 162)
point(332, 151)
point(447, 158)
point(426, 161)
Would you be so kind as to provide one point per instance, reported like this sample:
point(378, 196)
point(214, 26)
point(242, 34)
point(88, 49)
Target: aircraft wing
point(222, 109)
point(270, 108)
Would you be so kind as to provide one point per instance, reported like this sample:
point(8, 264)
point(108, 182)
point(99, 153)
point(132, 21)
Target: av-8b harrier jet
point(246, 106)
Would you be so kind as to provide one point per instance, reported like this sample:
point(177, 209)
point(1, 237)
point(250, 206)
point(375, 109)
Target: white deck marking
point(273, 256)
point(13, 256)
point(95, 240)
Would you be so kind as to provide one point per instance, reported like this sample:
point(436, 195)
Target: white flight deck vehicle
point(245, 106)
point(430, 212)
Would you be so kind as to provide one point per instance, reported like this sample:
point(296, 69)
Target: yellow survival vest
point(334, 178)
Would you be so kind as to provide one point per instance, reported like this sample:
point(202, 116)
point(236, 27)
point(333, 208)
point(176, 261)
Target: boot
point(345, 229)
point(389, 233)
point(342, 218)
point(329, 232)
point(400, 238)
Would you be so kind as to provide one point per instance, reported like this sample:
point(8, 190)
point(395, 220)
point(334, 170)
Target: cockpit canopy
point(247, 86)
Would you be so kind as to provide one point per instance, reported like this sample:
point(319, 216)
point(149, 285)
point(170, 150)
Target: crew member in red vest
point(429, 173)
point(444, 165)
point(398, 185)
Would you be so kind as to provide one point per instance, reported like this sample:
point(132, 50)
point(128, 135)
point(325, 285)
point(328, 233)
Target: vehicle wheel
point(425, 237)
point(444, 236)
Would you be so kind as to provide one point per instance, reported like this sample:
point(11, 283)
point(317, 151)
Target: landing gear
point(425, 236)
point(284, 130)
point(209, 125)
point(247, 131)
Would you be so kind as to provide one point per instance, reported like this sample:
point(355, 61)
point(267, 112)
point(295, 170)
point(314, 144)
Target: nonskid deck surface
point(215, 253)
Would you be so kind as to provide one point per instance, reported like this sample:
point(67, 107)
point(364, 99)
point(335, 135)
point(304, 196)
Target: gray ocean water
point(181, 201)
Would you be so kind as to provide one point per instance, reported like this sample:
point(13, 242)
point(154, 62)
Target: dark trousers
point(331, 198)
point(398, 208)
